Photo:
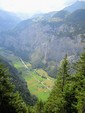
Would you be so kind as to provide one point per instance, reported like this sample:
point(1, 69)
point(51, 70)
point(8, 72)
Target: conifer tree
point(80, 83)
point(75, 88)
point(39, 107)
point(10, 102)
point(56, 101)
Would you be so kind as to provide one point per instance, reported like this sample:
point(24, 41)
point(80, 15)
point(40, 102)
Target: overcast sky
point(33, 6)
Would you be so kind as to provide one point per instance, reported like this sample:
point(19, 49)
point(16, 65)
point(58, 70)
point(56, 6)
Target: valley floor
point(38, 81)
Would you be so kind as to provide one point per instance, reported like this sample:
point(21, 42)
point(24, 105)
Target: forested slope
point(19, 82)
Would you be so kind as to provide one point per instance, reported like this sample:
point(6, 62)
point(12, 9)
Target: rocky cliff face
point(44, 42)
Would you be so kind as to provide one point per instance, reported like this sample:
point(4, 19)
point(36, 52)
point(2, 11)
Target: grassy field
point(38, 81)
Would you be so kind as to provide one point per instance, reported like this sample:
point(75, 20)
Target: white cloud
point(31, 6)
point(68, 2)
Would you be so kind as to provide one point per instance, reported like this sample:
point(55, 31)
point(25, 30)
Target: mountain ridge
point(19, 82)
point(8, 19)
point(75, 6)
point(45, 41)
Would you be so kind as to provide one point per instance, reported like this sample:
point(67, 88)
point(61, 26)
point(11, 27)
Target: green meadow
point(38, 81)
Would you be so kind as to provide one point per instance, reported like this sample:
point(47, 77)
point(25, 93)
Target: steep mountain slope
point(8, 20)
point(44, 42)
point(77, 5)
point(77, 16)
point(19, 82)
point(61, 14)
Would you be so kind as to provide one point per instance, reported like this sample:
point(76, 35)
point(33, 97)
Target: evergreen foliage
point(19, 82)
point(39, 107)
point(10, 102)
point(56, 101)
point(80, 83)
point(67, 96)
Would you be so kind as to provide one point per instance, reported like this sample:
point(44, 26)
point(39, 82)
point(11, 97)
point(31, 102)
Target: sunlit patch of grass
point(42, 72)
point(38, 81)
point(28, 65)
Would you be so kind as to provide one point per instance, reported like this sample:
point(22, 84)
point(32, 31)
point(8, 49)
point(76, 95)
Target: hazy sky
point(33, 6)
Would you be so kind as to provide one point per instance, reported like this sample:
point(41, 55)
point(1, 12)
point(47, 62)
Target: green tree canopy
point(10, 102)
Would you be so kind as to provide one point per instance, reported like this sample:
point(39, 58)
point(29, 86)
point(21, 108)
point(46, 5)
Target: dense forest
point(42, 61)
point(67, 95)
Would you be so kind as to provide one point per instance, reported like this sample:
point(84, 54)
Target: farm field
point(38, 81)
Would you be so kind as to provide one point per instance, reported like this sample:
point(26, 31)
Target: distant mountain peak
point(8, 20)
point(79, 4)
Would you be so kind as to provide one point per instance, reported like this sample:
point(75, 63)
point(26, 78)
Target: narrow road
point(35, 77)
point(42, 84)
point(45, 86)
point(48, 79)
point(23, 63)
